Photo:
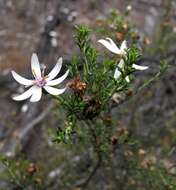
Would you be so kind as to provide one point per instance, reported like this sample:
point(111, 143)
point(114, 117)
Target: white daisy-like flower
point(121, 66)
point(111, 46)
point(40, 81)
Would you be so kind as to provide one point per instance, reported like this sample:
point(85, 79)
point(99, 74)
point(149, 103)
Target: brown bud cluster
point(120, 36)
point(114, 140)
point(120, 132)
point(129, 93)
point(32, 168)
point(148, 162)
point(78, 86)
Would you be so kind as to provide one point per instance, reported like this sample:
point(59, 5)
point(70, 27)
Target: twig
point(22, 135)
point(84, 184)
point(34, 122)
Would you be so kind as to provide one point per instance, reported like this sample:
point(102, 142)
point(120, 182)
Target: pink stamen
point(40, 82)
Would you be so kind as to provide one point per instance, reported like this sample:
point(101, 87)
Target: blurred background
point(47, 28)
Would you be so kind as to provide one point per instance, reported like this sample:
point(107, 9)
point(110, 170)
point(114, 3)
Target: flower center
point(40, 82)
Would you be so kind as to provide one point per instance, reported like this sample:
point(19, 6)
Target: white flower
point(40, 81)
point(111, 46)
point(117, 72)
point(121, 65)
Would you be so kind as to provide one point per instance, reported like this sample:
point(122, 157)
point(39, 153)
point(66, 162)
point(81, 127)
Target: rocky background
point(47, 27)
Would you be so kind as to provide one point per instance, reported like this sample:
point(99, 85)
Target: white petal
point(36, 94)
point(57, 81)
point(54, 91)
point(138, 67)
point(110, 46)
point(21, 79)
point(123, 46)
point(35, 66)
point(25, 95)
point(117, 73)
point(121, 64)
point(54, 72)
point(113, 45)
point(127, 78)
